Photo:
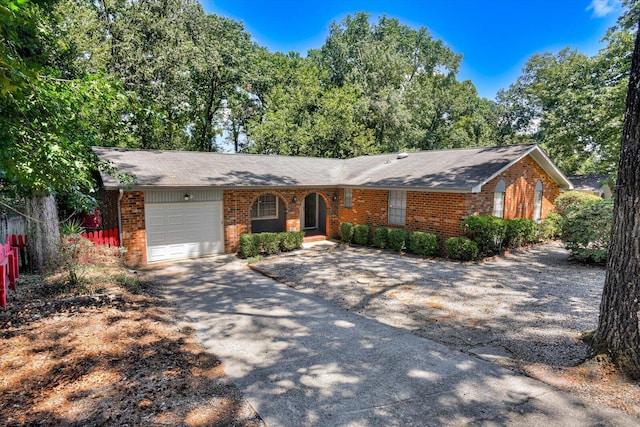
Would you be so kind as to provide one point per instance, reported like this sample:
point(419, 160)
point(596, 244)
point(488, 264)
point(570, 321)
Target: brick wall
point(437, 213)
point(368, 207)
point(134, 237)
point(520, 181)
point(237, 211)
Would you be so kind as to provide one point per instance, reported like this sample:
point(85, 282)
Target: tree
point(618, 333)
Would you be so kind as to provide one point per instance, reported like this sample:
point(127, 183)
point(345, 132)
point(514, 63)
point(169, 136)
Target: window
point(537, 202)
point(348, 198)
point(397, 207)
point(498, 199)
point(266, 207)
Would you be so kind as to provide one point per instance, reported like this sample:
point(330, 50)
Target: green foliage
point(568, 199)
point(252, 245)
point(291, 241)
point(520, 231)
point(361, 234)
point(381, 237)
point(398, 238)
point(586, 230)
point(270, 242)
point(248, 246)
point(425, 244)
point(550, 227)
point(462, 248)
point(487, 231)
point(346, 232)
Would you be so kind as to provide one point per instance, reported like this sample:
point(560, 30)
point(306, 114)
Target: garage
point(183, 224)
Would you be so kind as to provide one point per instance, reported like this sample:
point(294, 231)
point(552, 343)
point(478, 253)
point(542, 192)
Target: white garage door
point(183, 230)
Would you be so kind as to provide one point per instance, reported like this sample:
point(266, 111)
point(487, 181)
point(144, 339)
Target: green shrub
point(291, 241)
point(487, 231)
point(270, 242)
point(568, 199)
point(398, 238)
point(248, 247)
point(586, 230)
point(550, 227)
point(461, 248)
point(361, 234)
point(520, 231)
point(381, 237)
point(346, 232)
point(422, 243)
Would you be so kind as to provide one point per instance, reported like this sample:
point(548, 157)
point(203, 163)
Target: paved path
point(301, 360)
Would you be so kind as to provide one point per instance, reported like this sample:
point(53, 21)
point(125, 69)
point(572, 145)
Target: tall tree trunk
point(44, 231)
point(618, 332)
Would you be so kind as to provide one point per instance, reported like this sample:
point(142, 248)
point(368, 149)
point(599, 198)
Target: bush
point(361, 234)
point(398, 238)
point(346, 232)
point(487, 231)
point(520, 231)
point(291, 241)
point(422, 243)
point(248, 247)
point(550, 227)
point(381, 237)
point(568, 199)
point(461, 248)
point(586, 230)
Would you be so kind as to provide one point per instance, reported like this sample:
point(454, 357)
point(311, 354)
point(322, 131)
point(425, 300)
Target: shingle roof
point(439, 170)
point(588, 182)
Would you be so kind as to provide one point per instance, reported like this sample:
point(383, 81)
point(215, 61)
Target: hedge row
point(399, 239)
point(269, 243)
point(493, 235)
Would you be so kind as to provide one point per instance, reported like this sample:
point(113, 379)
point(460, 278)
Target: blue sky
point(496, 37)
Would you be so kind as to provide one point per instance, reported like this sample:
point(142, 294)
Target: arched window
point(537, 202)
point(498, 199)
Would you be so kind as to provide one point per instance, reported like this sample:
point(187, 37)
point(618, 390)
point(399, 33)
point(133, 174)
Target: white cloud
point(602, 8)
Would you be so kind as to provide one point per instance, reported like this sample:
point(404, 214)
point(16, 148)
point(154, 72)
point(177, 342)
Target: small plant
point(487, 231)
point(270, 242)
point(461, 248)
point(254, 259)
point(346, 232)
point(361, 234)
point(398, 239)
point(586, 230)
point(247, 246)
point(550, 227)
point(381, 237)
point(291, 241)
point(422, 243)
point(520, 231)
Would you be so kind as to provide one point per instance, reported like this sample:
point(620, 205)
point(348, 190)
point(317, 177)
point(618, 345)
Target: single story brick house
point(188, 204)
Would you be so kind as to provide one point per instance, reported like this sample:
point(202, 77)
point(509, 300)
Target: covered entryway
point(183, 224)
point(314, 214)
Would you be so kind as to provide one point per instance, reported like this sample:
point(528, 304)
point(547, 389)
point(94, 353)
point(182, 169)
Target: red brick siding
point(368, 207)
point(237, 211)
point(437, 213)
point(134, 236)
point(520, 180)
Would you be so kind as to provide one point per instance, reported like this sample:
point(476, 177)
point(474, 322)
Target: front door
point(311, 211)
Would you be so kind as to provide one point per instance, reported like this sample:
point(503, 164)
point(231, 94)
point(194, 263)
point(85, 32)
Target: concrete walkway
point(300, 360)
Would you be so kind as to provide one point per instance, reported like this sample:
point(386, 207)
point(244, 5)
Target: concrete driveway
point(301, 360)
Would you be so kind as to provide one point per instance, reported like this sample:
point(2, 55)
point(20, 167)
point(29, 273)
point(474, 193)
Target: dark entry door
point(311, 211)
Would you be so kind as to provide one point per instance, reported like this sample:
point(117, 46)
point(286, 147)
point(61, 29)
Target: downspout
point(121, 193)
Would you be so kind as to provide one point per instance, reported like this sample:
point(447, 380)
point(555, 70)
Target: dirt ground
point(115, 357)
point(526, 311)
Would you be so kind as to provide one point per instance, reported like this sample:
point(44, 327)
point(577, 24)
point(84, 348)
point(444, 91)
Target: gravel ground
point(522, 309)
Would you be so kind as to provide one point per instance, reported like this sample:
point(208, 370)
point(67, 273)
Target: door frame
point(304, 213)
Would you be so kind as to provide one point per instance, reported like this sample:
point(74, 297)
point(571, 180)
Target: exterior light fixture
point(295, 199)
point(188, 197)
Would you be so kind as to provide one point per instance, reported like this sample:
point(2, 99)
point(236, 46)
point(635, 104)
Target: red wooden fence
point(8, 270)
point(104, 237)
